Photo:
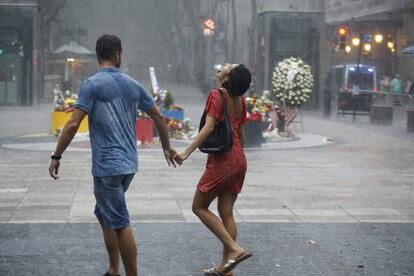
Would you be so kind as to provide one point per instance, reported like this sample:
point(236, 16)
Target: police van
point(348, 78)
point(353, 87)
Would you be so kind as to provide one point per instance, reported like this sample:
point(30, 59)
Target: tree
point(234, 29)
point(252, 35)
point(48, 13)
point(194, 19)
point(181, 30)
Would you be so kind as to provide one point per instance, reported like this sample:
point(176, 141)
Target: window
point(364, 79)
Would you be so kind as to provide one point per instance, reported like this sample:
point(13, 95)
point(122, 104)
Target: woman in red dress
point(224, 174)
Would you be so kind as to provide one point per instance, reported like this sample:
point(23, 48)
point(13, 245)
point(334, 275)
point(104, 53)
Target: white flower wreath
point(292, 82)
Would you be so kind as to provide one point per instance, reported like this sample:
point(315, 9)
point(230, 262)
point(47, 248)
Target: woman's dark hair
point(239, 81)
point(107, 46)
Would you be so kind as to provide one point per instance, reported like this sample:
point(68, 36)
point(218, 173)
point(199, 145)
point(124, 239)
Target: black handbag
point(220, 139)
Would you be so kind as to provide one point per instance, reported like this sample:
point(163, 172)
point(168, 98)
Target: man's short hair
point(106, 47)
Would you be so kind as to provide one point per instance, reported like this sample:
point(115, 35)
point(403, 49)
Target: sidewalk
point(343, 208)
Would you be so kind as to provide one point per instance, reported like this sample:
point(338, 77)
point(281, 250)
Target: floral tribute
point(292, 82)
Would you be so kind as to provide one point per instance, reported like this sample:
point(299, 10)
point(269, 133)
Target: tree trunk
point(193, 8)
point(234, 39)
point(252, 36)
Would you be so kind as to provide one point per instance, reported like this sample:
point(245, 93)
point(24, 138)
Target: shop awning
point(73, 47)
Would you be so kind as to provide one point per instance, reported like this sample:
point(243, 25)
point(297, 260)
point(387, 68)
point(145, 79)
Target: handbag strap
point(223, 105)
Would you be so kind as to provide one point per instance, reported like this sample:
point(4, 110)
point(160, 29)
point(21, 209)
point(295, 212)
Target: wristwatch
point(55, 157)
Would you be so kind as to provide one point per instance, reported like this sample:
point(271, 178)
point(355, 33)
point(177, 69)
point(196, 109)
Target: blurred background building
point(387, 26)
point(19, 46)
point(49, 42)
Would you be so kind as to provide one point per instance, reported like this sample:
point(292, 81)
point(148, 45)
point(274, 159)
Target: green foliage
point(168, 101)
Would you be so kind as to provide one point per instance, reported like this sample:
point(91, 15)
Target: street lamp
point(390, 43)
point(356, 41)
point(367, 47)
point(348, 48)
point(378, 38)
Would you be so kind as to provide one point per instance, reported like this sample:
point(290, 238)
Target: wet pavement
point(342, 207)
point(179, 249)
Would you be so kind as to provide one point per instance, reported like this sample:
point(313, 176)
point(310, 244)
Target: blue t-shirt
point(111, 99)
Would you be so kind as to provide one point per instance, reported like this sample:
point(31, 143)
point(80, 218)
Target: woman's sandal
point(231, 264)
point(214, 272)
point(107, 274)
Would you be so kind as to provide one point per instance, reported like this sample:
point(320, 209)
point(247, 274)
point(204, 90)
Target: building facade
point(288, 29)
point(19, 48)
point(393, 20)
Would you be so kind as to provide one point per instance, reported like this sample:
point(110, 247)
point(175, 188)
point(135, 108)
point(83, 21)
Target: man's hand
point(54, 168)
point(68, 132)
point(169, 156)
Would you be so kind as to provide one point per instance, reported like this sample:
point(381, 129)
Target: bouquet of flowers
point(64, 102)
point(292, 82)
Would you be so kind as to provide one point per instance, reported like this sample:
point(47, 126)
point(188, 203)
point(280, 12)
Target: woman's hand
point(201, 136)
point(181, 156)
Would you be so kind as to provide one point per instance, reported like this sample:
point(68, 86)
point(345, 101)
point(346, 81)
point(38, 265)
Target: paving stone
point(35, 214)
point(48, 199)
point(377, 214)
point(186, 248)
point(337, 215)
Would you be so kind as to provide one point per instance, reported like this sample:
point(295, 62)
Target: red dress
point(224, 172)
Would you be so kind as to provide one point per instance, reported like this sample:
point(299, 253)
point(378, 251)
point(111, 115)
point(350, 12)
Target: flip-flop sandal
point(214, 272)
point(231, 264)
point(107, 274)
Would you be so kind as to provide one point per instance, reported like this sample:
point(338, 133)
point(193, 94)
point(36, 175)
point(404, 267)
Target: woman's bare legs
point(201, 203)
point(225, 206)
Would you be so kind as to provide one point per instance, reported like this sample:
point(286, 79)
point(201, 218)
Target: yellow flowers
point(70, 101)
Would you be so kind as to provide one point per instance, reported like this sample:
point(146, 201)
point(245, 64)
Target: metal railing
point(358, 103)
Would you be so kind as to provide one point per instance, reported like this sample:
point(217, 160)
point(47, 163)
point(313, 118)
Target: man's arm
point(66, 137)
point(162, 130)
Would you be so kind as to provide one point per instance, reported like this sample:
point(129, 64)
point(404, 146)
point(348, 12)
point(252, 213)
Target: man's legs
point(111, 243)
point(113, 215)
point(128, 250)
point(121, 242)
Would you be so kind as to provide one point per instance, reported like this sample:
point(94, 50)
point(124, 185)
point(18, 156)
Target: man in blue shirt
point(111, 99)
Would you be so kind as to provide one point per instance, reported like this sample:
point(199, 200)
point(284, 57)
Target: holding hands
point(169, 155)
point(181, 156)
